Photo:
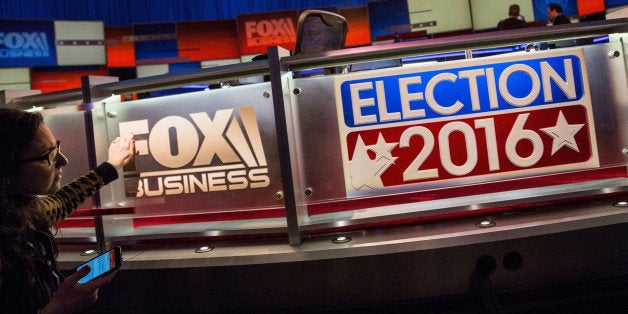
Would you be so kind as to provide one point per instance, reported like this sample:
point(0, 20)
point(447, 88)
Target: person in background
point(555, 14)
point(32, 201)
point(514, 20)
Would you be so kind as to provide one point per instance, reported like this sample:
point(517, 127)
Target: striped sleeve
point(61, 204)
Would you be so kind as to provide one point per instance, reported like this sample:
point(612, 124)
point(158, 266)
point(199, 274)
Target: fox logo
point(24, 45)
point(270, 32)
point(203, 154)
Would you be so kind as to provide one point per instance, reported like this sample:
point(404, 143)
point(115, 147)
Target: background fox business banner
point(199, 152)
point(258, 31)
point(464, 122)
point(27, 43)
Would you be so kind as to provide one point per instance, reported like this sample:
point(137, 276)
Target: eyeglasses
point(50, 157)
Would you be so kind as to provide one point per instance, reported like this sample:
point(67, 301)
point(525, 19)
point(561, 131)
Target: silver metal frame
point(451, 44)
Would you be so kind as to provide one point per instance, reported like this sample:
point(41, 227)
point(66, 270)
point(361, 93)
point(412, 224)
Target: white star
point(563, 134)
point(382, 149)
point(365, 171)
point(362, 176)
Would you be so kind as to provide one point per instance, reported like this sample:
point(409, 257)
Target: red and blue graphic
point(491, 119)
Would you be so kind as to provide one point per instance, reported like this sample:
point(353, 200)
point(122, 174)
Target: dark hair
point(513, 10)
point(555, 7)
point(17, 130)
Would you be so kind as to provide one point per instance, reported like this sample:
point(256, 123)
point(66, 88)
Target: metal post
point(294, 208)
point(91, 157)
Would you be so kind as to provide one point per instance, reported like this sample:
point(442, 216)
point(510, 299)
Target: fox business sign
point(27, 43)
point(196, 153)
point(262, 30)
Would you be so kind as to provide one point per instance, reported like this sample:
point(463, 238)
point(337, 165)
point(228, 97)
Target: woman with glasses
point(32, 201)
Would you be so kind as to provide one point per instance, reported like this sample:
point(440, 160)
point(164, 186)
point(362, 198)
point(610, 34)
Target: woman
point(30, 167)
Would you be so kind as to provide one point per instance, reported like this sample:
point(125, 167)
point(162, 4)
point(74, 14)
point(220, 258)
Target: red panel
point(391, 200)
point(461, 191)
point(52, 81)
point(227, 216)
point(586, 7)
point(83, 219)
point(78, 221)
point(120, 49)
point(258, 31)
point(404, 36)
point(540, 205)
point(102, 212)
point(208, 40)
point(358, 24)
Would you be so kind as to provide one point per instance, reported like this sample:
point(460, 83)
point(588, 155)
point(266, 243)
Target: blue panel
point(27, 44)
point(615, 3)
point(127, 13)
point(177, 67)
point(450, 89)
point(177, 91)
point(570, 7)
point(387, 14)
point(152, 47)
point(332, 9)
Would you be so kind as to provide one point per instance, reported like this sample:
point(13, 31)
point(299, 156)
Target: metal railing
point(326, 60)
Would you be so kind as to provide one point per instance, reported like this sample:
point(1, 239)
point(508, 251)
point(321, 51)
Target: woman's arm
point(59, 205)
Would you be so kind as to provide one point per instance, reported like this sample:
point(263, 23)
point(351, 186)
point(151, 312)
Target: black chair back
point(320, 31)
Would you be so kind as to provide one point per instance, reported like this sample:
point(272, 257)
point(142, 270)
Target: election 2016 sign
point(463, 122)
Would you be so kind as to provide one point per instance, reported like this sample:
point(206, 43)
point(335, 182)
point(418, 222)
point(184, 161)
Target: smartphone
point(102, 264)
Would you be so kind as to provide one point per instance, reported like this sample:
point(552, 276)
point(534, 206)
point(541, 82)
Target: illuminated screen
point(540, 8)
point(99, 266)
point(359, 33)
point(79, 43)
point(439, 16)
point(615, 3)
point(207, 40)
point(387, 18)
point(159, 41)
point(488, 13)
point(120, 52)
point(586, 7)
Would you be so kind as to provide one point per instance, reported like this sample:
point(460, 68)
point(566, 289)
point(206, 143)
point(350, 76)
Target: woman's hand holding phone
point(103, 264)
point(72, 297)
point(80, 290)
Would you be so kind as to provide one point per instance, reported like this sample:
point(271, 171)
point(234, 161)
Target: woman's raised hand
point(121, 151)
